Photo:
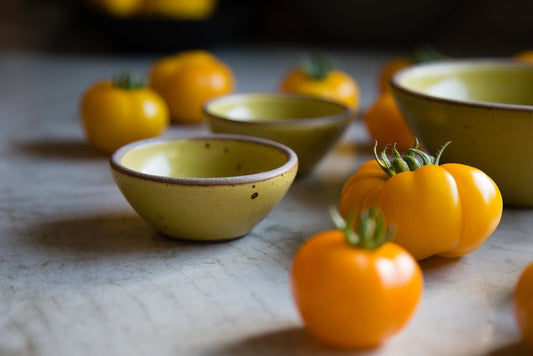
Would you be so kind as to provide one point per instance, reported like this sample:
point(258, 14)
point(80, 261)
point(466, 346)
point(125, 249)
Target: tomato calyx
point(371, 233)
point(316, 66)
point(128, 80)
point(409, 162)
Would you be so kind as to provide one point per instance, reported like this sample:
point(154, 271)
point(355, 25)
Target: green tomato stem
point(316, 66)
point(129, 81)
point(371, 233)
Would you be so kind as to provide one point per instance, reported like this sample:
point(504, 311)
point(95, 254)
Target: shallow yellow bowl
point(485, 107)
point(310, 126)
point(209, 188)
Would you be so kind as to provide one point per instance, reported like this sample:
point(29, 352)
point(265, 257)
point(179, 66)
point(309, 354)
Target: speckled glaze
point(485, 107)
point(207, 188)
point(310, 126)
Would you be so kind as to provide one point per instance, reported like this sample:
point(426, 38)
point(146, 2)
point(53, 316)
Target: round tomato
point(187, 80)
point(419, 55)
point(523, 305)
point(117, 112)
point(355, 290)
point(447, 210)
point(386, 124)
point(316, 77)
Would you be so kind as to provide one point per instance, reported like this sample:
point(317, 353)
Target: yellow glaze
point(210, 188)
point(310, 126)
point(485, 107)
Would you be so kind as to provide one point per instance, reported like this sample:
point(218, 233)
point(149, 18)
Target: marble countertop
point(82, 274)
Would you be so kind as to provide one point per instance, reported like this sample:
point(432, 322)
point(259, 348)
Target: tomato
point(316, 77)
point(526, 56)
point(187, 80)
point(447, 210)
point(117, 112)
point(386, 124)
point(119, 8)
point(181, 9)
point(523, 305)
point(355, 290)
point(420, 55)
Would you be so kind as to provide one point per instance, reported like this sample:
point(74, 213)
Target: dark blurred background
point(491, 27)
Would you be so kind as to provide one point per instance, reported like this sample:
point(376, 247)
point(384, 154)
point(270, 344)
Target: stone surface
point(82, 274)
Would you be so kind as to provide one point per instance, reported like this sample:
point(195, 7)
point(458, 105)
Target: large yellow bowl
point(310, 126)
point(485, 107)
point(209, 188)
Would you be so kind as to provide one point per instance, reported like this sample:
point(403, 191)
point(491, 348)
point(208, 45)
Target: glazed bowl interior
point(272, 107)
point(494, 82)
point(203, 158)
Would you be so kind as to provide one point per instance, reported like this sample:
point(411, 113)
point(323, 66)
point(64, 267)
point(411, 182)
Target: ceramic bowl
point(485, 107)
point(204, 188)
point(310, 126)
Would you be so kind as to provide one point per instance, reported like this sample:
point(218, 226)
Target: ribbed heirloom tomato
point(120, 111)
point(355, 290)
point(447, 210)
point(187, 80)
point(523, 305)
point(316, 77)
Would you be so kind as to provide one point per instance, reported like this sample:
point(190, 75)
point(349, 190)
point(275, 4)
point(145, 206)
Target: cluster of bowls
point(485, 107)
point(220, 186)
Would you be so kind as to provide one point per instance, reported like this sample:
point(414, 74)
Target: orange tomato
point(419, 55)
point(187, 80)
point(118, 112)
point(317, 78)
point(181, 9)
point(523, 305)
point(389, 69)
point(386, 124)
point(526, 56)
point(354, 296)
point(447, 210)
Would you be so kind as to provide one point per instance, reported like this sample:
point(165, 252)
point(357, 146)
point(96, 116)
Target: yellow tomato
point(119, 8)
point(118, 112)
point(447, 210)
point(181, 9)
point(355, 290)
point(187, 80)
point(385, 123)
point(317, 78)
point(523, 305)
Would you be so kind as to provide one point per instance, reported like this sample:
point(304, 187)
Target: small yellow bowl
point(310, 126)
point(485, 107)
point(209, 188)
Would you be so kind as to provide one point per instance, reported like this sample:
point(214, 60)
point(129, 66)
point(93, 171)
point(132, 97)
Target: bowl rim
point(347, 114)
point(455, 63)
point(291, 162)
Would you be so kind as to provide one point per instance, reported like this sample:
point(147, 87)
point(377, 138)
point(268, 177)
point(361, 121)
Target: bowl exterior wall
point(495, 140)
point(206, 213)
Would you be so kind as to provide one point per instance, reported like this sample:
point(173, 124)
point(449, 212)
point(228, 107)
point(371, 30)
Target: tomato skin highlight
point(523, 305)
point(354, 298)
point(448, 210)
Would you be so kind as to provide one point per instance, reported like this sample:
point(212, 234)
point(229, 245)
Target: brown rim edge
point(290, 164)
